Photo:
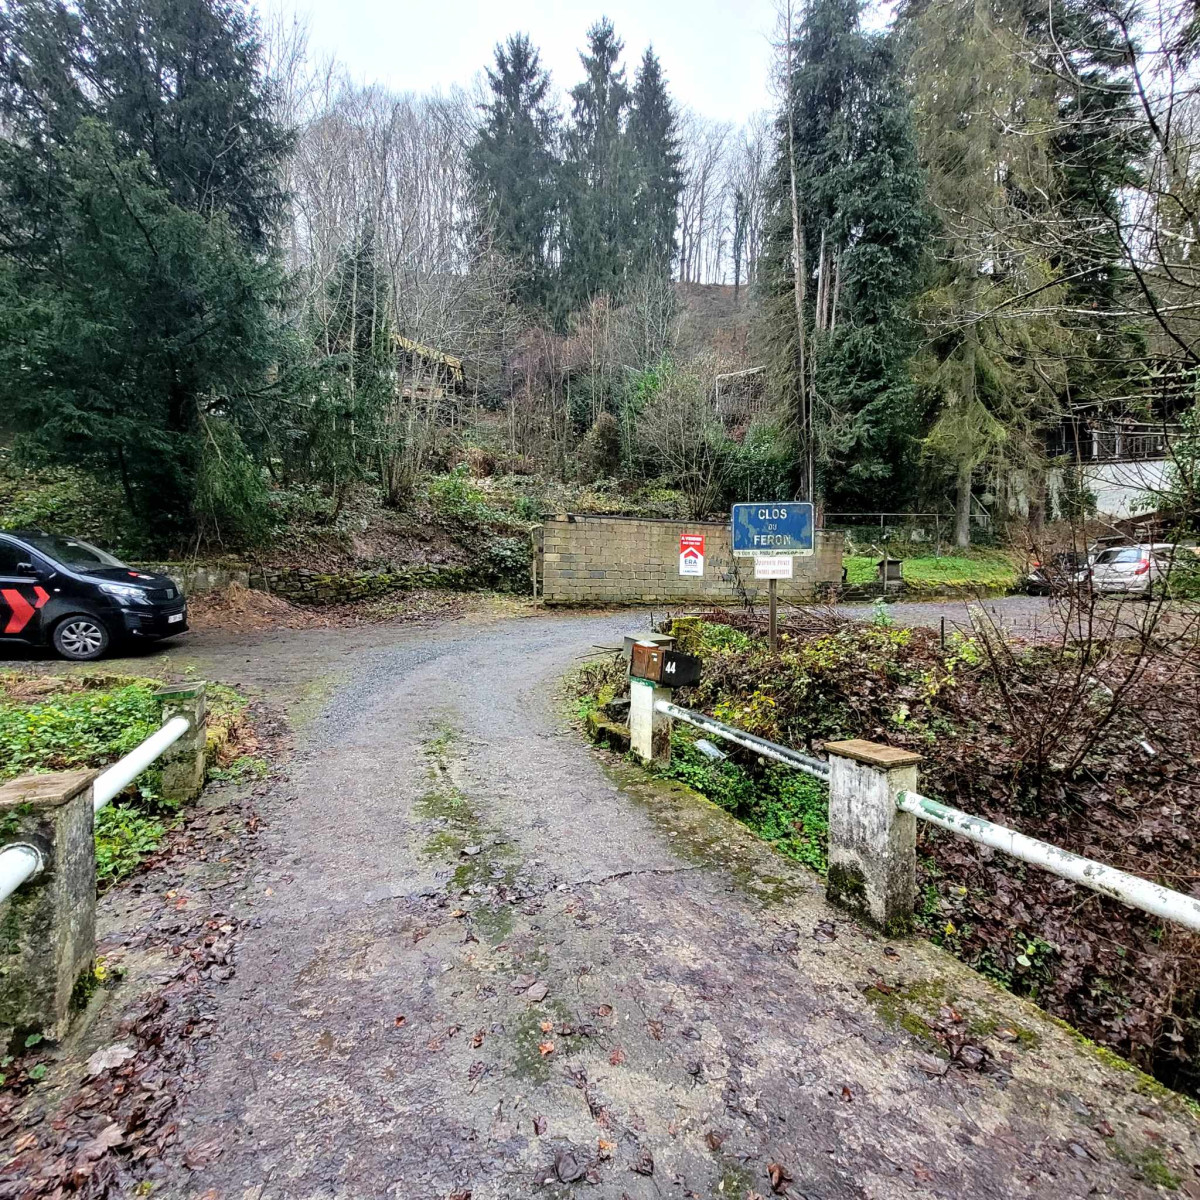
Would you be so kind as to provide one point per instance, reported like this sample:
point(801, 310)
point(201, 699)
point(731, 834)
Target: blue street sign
point(780, 528)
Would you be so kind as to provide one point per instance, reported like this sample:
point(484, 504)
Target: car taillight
point(1142, 567)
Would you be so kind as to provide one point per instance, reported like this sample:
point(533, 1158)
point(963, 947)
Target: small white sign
point(773, 566)
point(691, 554)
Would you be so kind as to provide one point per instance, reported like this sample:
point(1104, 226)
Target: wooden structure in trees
point(425, 373)
point(741, 396)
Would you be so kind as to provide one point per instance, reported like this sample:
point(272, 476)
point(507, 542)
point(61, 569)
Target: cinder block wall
point(626, 560)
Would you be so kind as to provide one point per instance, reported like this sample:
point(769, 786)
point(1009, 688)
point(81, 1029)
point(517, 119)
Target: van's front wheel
point(80, 638)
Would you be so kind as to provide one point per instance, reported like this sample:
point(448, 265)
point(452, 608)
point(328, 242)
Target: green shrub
point(784, 807)
point(527, 508)
point(504, 564)
point(702, 638)
point(66, 501)
point(454, 497)
point(124, 836)
point(1184, 581)
point(759, 467)
point(600, 451)
point(82, 729)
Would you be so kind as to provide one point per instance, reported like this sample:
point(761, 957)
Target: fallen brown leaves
point(105, 1133)
point(102, 1136)
point(531, 987)
point(643, 1164)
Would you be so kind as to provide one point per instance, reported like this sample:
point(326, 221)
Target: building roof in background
point(430, 354)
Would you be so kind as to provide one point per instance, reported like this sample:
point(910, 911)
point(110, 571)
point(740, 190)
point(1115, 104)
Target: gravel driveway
point(481, 959)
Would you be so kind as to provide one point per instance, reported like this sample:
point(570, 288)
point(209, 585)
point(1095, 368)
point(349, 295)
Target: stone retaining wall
point(193, 579)
point(626, 560)
point(312, 587)
point(302, 586)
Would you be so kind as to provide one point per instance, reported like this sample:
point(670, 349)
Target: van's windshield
point(70, 552)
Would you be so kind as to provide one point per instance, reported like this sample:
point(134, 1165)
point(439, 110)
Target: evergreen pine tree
point(177, 81)
point(656, 163)
point(861, 203)
point(1020, 163)
point(514, 167)
point(597, 175)
point(138, 193)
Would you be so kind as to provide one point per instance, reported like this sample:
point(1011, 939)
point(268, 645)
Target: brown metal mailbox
point(668, 668)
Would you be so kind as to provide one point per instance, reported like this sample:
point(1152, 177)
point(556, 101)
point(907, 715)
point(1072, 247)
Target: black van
point(62, 592)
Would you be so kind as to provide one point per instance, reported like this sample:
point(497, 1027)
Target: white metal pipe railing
point(20, 862)
point(115, 779)
point(1108, 881)
point(781, 754)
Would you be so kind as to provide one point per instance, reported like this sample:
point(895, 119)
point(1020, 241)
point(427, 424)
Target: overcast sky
point(716, 53)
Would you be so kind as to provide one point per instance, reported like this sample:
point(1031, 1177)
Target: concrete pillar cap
point(47, 790)
point(183, 691)
point(874, 754)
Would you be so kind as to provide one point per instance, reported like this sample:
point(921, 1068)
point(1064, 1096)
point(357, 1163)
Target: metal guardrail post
point(50, 917)
point(649, 726)
point(183, 763)
point(872, 842)
point(873, 810)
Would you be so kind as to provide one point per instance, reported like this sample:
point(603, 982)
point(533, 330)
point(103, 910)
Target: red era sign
point(691, 554)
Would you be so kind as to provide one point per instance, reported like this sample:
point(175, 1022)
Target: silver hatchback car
point(1132, 570)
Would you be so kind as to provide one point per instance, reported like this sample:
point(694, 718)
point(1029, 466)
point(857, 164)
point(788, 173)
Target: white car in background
point(1130, 570)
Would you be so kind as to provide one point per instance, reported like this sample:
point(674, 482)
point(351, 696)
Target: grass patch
point(459, 827)
point(982, 569)
point(243, 769)
point(528, 1062)
point(1150, 1163)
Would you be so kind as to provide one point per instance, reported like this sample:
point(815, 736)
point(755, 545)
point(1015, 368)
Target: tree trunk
point(962, 507)
point(798, 272)
point(1037, 501)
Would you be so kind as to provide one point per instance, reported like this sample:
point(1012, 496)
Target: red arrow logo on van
point(22, 610)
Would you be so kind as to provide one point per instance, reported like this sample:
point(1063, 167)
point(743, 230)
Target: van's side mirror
point(26, 568)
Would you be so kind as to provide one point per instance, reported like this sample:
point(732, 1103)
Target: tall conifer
point(514, 167)
point(598, 175)
point(657, 161)
point(861, 203)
